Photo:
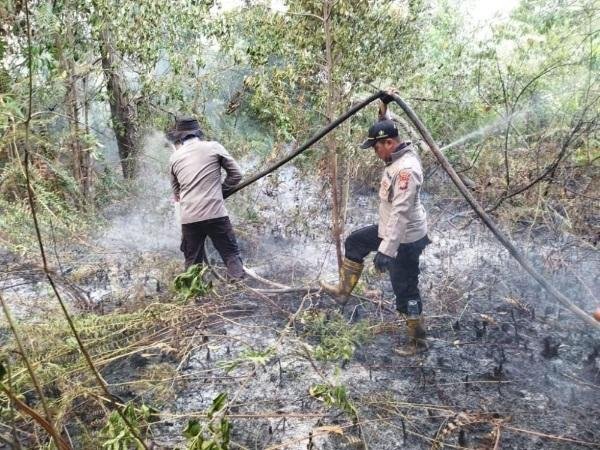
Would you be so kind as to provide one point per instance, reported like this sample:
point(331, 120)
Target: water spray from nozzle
point(487, 129)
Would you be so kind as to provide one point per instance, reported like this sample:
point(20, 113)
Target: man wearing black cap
point(195, 169)
point(400, 236)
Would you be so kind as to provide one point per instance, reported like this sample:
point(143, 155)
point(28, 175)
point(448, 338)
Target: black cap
point(381, 130)
point(183, 128)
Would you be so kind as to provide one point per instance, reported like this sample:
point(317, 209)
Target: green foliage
point(116, 432)
point(55, 203)
point(62, 371)
point(54, 349)
point(252, 215)
point(190, 283)
point(285, 52)
point(269, 70)
point(334, 397)
point(258, 358)
point(337, 338)
point(215, 433)
point(108, 188)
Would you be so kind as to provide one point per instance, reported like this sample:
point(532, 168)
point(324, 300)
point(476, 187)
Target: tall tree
point(312, 59)
point(123, 111)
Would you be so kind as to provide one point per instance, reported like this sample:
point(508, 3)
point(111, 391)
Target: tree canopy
point(515, 100)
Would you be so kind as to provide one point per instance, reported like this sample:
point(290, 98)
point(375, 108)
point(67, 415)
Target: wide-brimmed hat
point(185, 127)
point(380, 130)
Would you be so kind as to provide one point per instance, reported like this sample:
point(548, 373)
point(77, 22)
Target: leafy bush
point(191, 283)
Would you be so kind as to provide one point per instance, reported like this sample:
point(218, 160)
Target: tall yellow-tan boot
point(415, 331)
point(349, 275)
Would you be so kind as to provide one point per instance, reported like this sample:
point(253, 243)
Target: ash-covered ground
point(507, 367)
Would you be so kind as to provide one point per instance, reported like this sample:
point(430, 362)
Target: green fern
point(259, 358)
point(338, 339)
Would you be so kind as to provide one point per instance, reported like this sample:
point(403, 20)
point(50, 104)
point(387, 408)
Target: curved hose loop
point(487, 220)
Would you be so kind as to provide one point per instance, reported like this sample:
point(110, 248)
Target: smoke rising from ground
point(146, 220)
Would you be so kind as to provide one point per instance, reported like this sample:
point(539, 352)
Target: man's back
point(195, 170)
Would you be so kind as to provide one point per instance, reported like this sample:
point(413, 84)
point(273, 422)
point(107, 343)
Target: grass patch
point(337, 339)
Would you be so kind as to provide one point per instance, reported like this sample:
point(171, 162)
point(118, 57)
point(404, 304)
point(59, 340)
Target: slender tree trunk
point(79, 155)
point(87, 160)
point(508, 112)
point(77, 152)
point(330, 142)
point(122, 109)
point(345, 191)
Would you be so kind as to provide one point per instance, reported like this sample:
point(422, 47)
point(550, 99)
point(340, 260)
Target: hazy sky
point(486, 9)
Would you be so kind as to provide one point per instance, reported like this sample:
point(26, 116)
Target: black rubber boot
point(235, 268)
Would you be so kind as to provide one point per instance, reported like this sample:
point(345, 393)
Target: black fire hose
point(487, 220)
point(316, 137)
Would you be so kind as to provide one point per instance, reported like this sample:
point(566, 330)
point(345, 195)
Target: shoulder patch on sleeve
point(403, 179)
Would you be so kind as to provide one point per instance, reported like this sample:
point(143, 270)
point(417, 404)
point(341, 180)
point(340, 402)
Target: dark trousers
point(221, 234)
point(404, 272)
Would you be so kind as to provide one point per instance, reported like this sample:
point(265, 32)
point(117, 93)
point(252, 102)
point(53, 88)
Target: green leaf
point(192, 429)
point(219, 402)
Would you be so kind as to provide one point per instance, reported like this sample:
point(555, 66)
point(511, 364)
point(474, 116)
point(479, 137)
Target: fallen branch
point(252, 274)
point(289, 290)
point(550, 436)
point(58, 440)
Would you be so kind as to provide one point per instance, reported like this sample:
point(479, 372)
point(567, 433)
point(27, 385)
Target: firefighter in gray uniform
point(400, 236)
point(195, 169)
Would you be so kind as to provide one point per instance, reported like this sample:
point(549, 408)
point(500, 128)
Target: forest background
point(516, 98)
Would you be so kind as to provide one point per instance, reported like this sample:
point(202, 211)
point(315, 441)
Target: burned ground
point(506, 367)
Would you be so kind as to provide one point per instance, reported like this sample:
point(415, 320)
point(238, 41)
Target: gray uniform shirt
point(195, 170)
point(402, 217)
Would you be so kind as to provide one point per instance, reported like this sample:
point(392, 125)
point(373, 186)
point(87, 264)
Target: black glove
point(386, 98)
point(382, 262)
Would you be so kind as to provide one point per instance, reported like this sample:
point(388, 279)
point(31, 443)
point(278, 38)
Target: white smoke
point(146, 220)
